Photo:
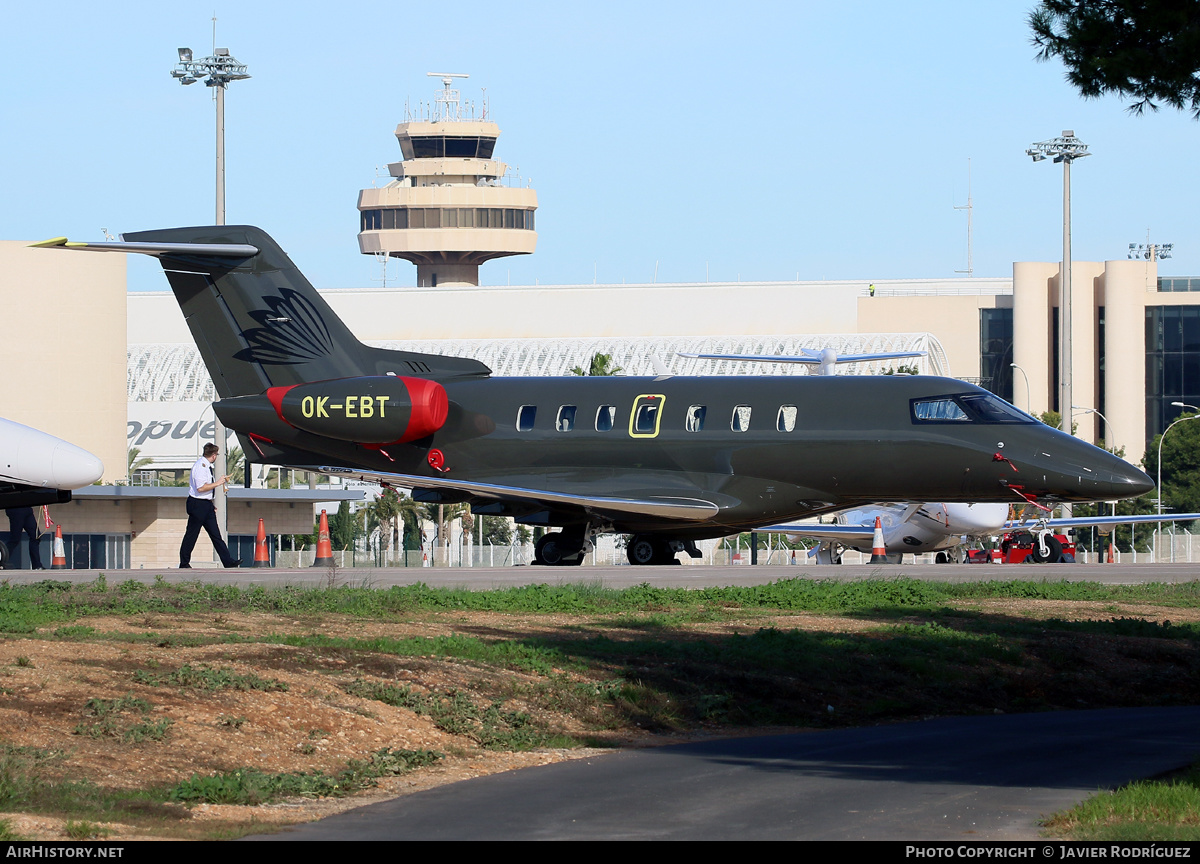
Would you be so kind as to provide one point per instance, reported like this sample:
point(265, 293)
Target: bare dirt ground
point(314, 725)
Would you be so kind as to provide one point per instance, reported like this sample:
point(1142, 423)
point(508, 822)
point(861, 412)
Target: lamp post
point(1162, 438)
point(1083, 410)
point(1065, 149)
point(1026, 377)
point(216, 72)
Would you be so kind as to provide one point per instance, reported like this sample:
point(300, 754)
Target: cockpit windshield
point(967, 408)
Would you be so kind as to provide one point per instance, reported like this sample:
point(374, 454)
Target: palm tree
point(235, 461)
point(136, 464)
point(388, 512)
point(601, 365)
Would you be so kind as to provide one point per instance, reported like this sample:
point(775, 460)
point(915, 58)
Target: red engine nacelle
point(374, 410)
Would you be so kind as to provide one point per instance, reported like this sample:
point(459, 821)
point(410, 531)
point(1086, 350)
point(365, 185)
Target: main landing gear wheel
point(644, 550)
point(553, 550)
point(1055, 547)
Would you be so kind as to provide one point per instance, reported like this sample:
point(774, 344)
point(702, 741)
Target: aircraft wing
point(850, 535)
point(1085, 521)
point(661, 507)
point(812, 358)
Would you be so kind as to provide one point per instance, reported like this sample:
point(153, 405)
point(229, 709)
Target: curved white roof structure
point(175, 373)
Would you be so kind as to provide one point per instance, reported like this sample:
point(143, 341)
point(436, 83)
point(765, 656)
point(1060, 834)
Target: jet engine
point(371, 410)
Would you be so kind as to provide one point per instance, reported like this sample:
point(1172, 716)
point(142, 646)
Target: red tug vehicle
point(1024, 546)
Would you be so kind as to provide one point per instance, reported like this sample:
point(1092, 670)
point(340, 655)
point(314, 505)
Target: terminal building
point(110, 370)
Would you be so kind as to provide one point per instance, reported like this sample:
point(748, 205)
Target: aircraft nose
point(1130, 482)
point(73, 467)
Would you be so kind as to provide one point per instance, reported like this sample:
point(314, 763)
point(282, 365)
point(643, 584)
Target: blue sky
point(757, 140)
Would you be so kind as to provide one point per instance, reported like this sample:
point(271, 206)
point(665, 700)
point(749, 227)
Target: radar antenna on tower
point(447, 97)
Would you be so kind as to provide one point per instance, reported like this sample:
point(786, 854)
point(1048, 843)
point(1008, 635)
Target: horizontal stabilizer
point(208, 250)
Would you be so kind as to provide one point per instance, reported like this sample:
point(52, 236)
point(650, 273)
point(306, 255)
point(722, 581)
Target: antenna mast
point(969, 207)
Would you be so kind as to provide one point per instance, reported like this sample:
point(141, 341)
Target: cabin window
point(695, 418)
point(606, 417)
point(525, 417)
point(741, 419)
point(646, 419)
point(786, 421)
point(939, 411)
point(989, 408)
point(566, 418)
point(646, 415)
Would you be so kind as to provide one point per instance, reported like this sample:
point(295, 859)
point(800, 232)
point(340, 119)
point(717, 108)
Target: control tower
point(448, 207)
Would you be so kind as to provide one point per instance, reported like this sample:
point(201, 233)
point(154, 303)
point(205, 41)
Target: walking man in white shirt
point(202, 513)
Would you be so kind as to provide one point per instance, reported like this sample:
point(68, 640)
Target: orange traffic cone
point(59, 561)
point(262, 555)
point(324, 547)
point(878, 550)
point(1110, 553)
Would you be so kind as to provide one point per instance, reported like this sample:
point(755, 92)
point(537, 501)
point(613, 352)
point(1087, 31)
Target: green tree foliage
point(902, 369)
point(343, 527)
point(1054, 420)
point(601, 365)
point(1145, 50)
point(136, 461)
point(497, 530)
point(235, 462)
point(399, 517)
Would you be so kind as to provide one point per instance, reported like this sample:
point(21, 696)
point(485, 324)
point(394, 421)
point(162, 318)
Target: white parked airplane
point(918, 527)
point(37, 468)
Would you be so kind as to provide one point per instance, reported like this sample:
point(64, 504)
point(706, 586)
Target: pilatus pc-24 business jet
point(669, 460)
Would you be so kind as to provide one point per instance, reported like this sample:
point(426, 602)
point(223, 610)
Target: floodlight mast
point(1065, 149)
point(216, 72)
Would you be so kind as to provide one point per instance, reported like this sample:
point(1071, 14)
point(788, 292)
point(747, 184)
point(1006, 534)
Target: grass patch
point(25, 608)
point(85, 830)
point(251, 786)
point(24, 788)
point(520, 656)
point(457, 713)
point(202, 678)
point(109, 720)
point(1164, 809)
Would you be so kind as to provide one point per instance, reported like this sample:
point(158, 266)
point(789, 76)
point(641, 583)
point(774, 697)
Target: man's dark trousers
point(202, 513)
point(22, 521)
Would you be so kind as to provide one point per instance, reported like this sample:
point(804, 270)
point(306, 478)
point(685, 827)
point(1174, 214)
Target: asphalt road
point(959, 778)
point(483, 578)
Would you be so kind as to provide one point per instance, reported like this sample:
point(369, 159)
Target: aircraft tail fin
point(257, 321)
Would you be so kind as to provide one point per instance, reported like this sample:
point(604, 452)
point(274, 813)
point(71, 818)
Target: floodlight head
point(185, 55)
point(221, 52)
point(187, 79)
